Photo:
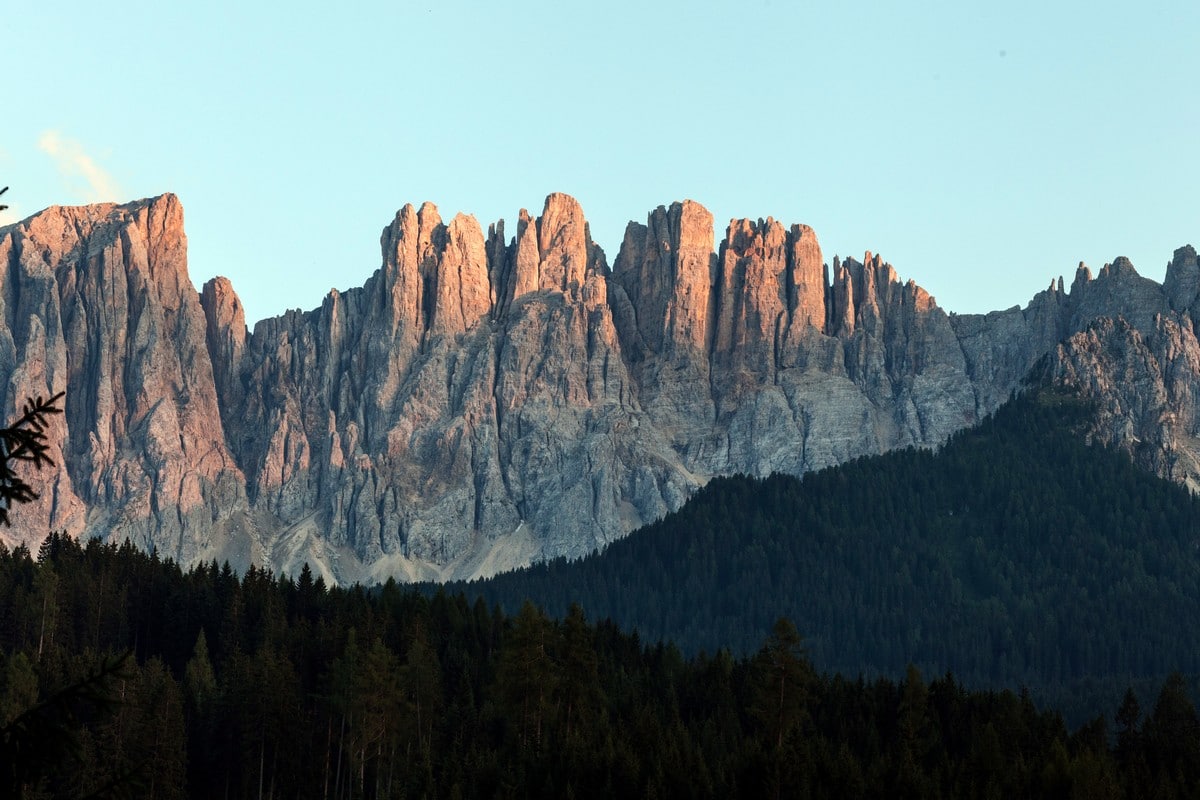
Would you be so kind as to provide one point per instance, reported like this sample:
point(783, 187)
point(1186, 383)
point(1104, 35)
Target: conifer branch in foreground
point(25, 440)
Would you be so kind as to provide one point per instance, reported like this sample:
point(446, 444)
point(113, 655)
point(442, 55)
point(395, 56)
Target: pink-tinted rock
point(483, 402)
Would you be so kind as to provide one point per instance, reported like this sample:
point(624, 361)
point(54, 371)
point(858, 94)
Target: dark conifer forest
point(798, 603)
point(1016, 555)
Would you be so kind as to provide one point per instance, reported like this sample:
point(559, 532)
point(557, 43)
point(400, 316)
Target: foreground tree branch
point(25, 440)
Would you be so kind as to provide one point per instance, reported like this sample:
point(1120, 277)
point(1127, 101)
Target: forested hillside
point(274, 688)
point(1014, 555)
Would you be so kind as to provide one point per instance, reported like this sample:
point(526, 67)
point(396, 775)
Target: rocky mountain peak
point(1117, 290)
point(1083, 276)
point(99, 303)
point(666, 269)
point(225, 331)
point(754, 281)
point(563, 244)
point(1182, 283)
point(485, 400)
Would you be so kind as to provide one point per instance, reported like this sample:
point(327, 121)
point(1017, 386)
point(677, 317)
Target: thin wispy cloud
point(81, 172)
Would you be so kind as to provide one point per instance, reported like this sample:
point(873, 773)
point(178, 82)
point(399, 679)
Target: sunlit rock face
point(97, 302)
point(488, 399)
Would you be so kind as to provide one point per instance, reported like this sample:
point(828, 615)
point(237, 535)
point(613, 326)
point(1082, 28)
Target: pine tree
point(421, 684)
point(782, 678)
point(580, 687)
point(200, 683)
point(527, 676)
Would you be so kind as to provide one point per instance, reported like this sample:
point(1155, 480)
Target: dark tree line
point(260, 686)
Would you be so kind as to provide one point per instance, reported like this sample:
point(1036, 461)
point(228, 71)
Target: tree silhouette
point(25, 440)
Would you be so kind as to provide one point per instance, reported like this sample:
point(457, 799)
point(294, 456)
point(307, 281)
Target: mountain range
point(485, 401)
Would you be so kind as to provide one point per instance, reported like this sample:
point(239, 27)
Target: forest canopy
point(274, 687)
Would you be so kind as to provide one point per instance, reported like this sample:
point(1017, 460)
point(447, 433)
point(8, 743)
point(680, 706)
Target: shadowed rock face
point(485, 401)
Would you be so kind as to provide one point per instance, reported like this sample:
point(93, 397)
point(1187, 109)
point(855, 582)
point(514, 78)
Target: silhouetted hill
point(1014, 555)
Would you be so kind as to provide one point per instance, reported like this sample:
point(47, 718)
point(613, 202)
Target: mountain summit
point(486, 400)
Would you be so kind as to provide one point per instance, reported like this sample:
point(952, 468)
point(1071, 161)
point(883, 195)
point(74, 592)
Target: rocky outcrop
point(484, 401)
point(1146, 385)
point(97, 302)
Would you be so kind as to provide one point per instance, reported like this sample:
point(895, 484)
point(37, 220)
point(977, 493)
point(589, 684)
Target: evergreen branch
point(25, 440)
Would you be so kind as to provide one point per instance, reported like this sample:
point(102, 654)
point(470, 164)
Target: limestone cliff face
point(466, 410)
point(97, 302)
point(485, 400)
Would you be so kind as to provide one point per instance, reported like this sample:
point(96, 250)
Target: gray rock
point(482, 403)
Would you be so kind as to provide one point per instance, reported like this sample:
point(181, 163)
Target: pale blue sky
point(983, 149)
